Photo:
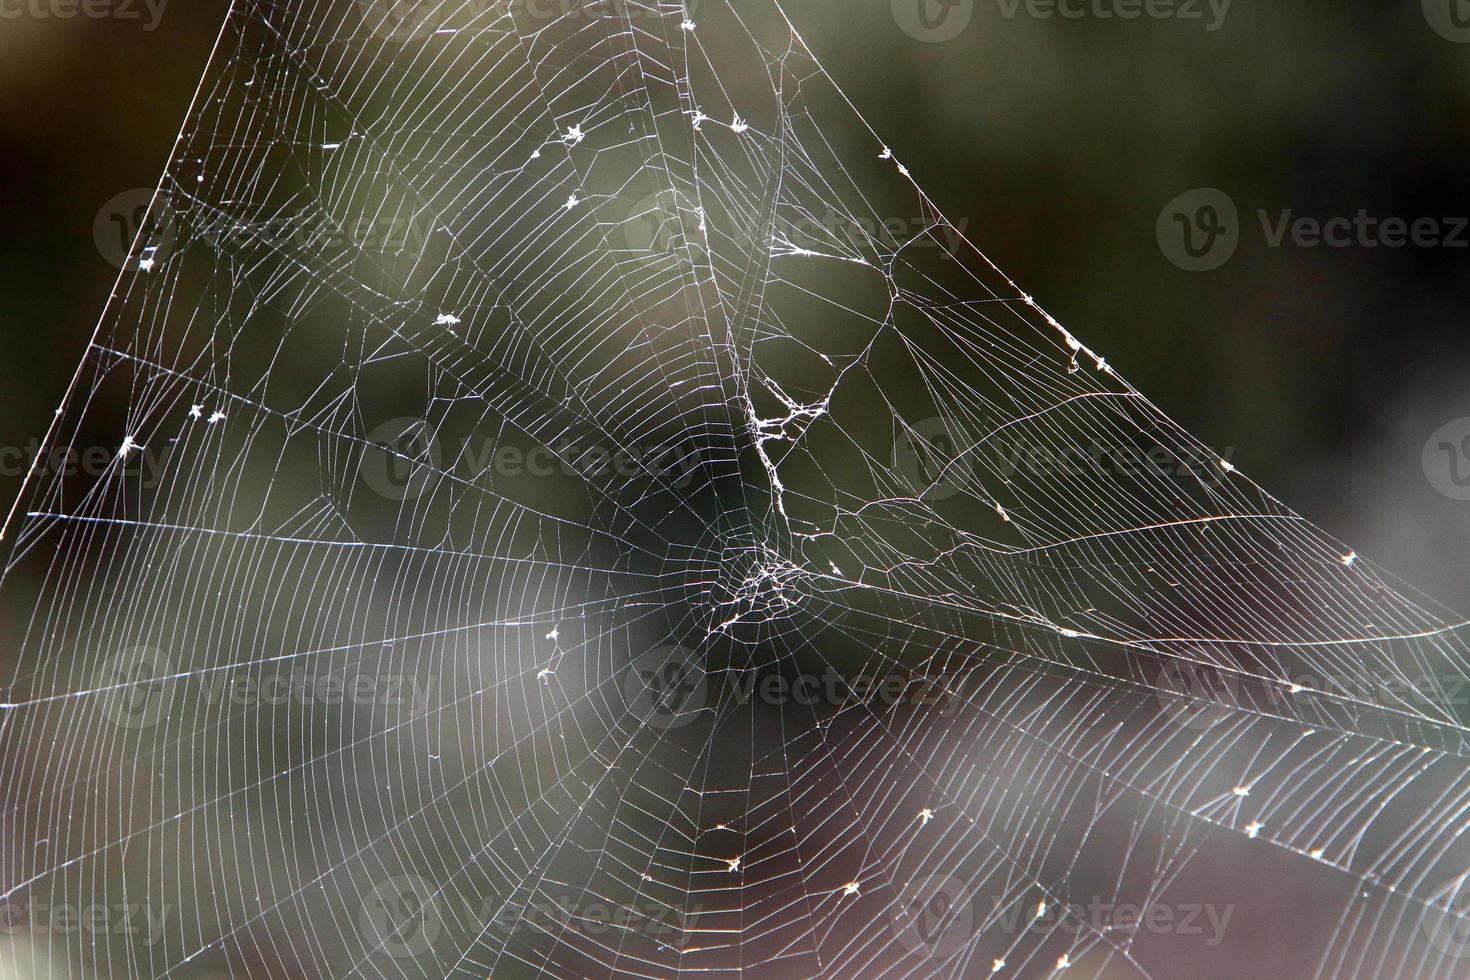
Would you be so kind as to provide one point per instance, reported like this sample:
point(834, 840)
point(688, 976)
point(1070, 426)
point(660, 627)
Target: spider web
point(535, 387)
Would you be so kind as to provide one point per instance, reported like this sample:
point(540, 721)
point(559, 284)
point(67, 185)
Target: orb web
point(551, 528)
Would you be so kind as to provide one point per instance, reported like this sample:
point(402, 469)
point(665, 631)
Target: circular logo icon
point(1196, 695)
point(401, 459)
point(132, 217)
point(666, 687)
point(660, 225)
point(1447, 459)
point(935, 916)
point(1199, 230)
point(1449, 18)
point(401, 917)
point(933, 21)
point(1446, 919)
point(134, 687)
point(927, 457)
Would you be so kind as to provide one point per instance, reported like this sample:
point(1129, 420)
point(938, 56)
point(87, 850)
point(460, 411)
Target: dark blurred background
point(1057, 143)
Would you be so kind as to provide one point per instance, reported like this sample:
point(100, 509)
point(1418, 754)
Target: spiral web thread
point(656, 230)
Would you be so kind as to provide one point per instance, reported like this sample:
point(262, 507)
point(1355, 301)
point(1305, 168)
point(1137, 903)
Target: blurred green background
point(1057, 142)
